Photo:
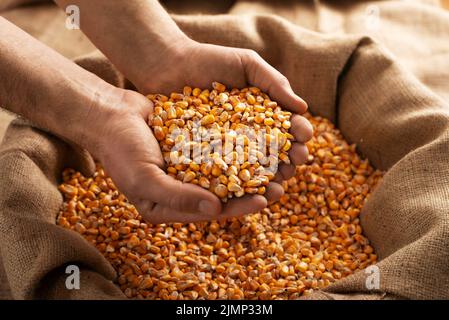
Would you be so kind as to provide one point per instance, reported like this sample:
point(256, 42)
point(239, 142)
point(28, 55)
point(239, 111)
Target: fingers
point(176, 195)
point(284, 172)
point(287, 170)
point(298, 153)
point(274, 192)
point(260, 73)
point(267, 78)
point(82, 161)
point(244, 205)
point(278, 178)
point(158, 213)
point(301, 128)
point(139, 102)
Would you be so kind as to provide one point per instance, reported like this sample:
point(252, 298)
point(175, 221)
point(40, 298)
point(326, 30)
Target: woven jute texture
point(380, 95)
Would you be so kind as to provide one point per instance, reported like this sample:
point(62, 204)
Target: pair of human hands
point(131, 155)
point(111, 123)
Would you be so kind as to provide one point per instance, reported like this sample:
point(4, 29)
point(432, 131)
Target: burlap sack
point(397, 122)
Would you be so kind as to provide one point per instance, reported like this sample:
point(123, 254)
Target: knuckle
point(178, 200)
point(175, 202)
point(252, 54)
point(283, 80)
point(309, 130)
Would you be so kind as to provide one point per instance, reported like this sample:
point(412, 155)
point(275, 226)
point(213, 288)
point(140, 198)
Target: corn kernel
point(307, 240)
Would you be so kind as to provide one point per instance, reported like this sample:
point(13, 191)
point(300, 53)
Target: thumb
point(261, 74)
point(169, 192)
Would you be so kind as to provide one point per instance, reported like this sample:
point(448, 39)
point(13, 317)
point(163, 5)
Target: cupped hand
point(197, 64)
point(131, 155)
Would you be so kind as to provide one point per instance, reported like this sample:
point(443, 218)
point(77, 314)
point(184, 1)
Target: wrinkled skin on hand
point(133, 157)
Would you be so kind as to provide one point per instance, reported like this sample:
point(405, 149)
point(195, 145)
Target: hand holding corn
point(137, 164)
point(230, 142)
point(159, 58)
point(111, 123)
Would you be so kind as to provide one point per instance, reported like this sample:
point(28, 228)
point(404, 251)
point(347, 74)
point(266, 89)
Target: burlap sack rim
point(357, 274)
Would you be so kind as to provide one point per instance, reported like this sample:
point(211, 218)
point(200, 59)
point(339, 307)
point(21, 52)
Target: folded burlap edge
point(385, 73)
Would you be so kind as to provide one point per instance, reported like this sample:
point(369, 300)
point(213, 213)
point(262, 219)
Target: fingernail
point(303, 103)
point(206, 207)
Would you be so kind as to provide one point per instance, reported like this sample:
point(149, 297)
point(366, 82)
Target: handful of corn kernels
point(229, 142)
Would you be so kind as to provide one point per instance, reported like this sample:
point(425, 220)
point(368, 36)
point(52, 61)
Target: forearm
point(130, 33)
point(46, 88)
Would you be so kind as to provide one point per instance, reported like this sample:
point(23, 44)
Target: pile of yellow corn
point(199, 120)
point(308, 239)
